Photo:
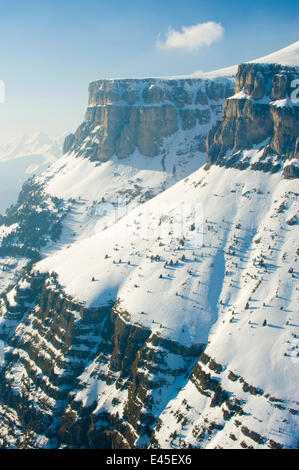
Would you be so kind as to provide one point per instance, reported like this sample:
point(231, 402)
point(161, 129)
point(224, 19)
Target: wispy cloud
point(192, 37)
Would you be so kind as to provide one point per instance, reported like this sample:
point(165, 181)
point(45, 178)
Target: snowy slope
point(243, 221)
point(287, 56)
point(96, 188)
point(212, 260)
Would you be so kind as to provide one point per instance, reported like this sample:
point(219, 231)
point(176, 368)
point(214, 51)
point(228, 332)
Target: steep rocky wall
point(138, 114)
point(263, 112)
point(60, 353)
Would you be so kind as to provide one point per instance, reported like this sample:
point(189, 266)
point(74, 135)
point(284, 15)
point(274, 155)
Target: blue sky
point(50, 50)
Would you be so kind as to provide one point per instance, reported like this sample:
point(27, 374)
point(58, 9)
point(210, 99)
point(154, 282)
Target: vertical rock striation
point(139, 114)
point(263, 113)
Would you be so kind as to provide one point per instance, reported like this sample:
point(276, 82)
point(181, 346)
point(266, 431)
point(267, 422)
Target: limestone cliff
point(61, 350)
point(263, 114)
point(139, 114)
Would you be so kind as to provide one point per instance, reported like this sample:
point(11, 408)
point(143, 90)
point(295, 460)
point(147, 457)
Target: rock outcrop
point(139, 114)
point(61, 350)
point(263, 114)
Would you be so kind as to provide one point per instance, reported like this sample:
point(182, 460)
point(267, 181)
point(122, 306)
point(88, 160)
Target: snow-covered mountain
point(33, 155)
point(138, 138)
point(230, 271)
point(150, 287)
point(287, 56)
point(28, 145)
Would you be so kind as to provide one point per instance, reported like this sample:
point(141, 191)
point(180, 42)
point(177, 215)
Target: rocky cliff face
point(128, 115)
point(263, 115)
point(83, 377)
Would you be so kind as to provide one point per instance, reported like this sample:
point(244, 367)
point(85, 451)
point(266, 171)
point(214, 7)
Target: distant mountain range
point(33, 154)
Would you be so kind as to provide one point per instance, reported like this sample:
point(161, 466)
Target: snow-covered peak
point(25, 145)
point(287, 56)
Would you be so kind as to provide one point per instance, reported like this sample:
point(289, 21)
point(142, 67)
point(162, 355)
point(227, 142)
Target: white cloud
point(192, 37)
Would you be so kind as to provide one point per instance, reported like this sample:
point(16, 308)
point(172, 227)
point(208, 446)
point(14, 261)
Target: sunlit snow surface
point(287, 56)
point(241, 221)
